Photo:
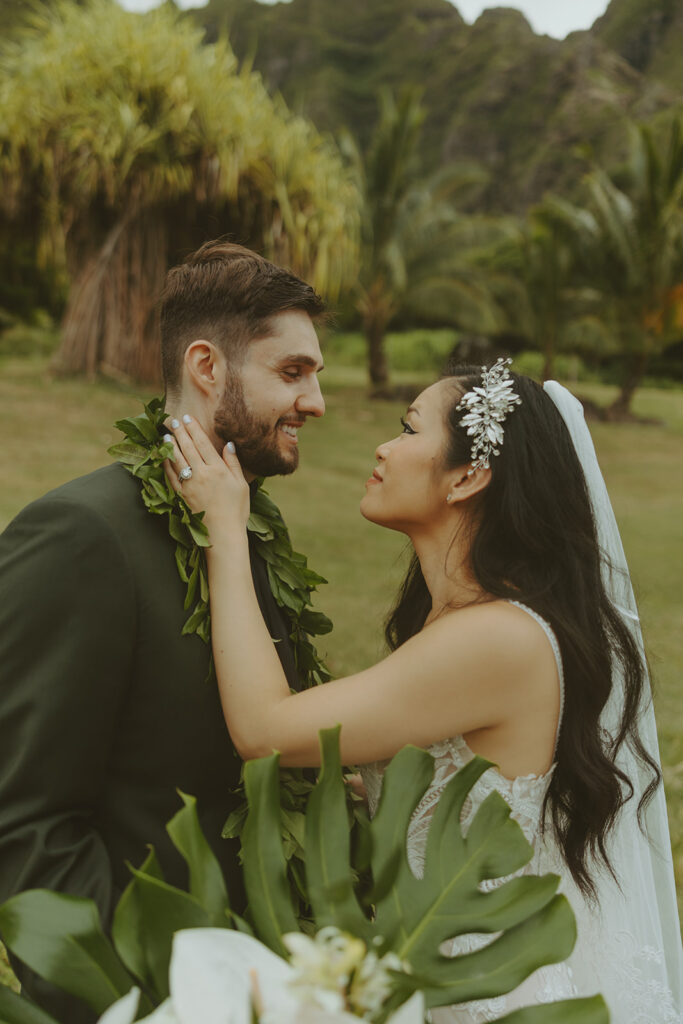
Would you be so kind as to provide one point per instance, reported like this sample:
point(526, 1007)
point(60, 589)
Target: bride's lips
point(374, 479)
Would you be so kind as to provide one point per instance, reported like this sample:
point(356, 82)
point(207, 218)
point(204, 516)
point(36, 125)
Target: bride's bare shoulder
point(496, 629)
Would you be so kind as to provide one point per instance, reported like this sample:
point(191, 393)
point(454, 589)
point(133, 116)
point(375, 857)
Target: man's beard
point(255, 440)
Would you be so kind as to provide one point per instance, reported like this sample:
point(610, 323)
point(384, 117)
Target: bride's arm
point(436, 685)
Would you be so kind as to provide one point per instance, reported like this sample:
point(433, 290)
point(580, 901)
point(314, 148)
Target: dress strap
point(550, 633)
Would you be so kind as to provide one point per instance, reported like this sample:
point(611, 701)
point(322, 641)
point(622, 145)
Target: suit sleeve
point(67, 632)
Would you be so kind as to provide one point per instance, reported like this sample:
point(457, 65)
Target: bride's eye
point(407, 429)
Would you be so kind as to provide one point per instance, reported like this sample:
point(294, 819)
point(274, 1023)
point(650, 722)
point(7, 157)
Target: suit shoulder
point(108, 498)
point(111, 485)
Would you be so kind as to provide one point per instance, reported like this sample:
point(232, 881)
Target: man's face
point(268, 398)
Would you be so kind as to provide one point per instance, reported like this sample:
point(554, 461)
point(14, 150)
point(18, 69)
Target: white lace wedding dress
point(600, 962)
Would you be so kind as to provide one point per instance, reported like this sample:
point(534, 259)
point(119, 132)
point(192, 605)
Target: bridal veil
point(635, 929)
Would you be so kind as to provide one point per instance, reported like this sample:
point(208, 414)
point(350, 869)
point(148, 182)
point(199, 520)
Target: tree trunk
point(620, 409)
point(378, 367)
point(110, 326)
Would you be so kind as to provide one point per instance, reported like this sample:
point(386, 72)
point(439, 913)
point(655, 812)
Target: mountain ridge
point(494, 91)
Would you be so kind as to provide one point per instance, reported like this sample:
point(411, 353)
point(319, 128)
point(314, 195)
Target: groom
point(104, 708)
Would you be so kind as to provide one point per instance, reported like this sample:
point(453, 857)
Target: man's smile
point(291, 430)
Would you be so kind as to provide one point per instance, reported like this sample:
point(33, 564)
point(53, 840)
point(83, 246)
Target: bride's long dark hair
point(534, 540)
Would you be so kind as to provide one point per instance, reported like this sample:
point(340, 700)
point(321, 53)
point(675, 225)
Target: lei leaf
point(143, 453)
point(291, 581)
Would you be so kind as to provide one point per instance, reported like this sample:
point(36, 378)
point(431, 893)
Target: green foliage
point(329, 880)
point(567, 367)
point(647, 34)
point(584, 1011)
point(411, 259)
point(531, 277)
point(133, 931)
point(143, 453)
point(109, 116)
point(159, 910)
point(628, 242)
point(263, 862)
point(494, 91)
point(37, 338)
point(14, 1009)
point(412, 916)
point(420, 350)
point(207, 884)
point(292, 584)
point(60, 938)
point(7, 975)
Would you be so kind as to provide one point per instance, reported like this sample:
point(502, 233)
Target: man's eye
point(407, 429)
point(292, 374)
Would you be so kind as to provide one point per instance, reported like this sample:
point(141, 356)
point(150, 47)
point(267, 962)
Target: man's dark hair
point(226, 294)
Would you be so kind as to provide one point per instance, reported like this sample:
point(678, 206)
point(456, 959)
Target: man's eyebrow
point(303, 360)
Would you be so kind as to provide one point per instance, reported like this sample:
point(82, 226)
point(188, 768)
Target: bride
point(515, 636)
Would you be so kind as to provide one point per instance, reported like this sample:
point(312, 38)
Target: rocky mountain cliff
point(518, 103)
point(495, 92)
point(648, 34)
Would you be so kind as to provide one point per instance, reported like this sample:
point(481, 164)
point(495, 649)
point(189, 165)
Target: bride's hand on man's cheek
point(207, 482)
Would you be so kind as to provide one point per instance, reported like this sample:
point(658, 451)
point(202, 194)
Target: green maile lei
point(291, 583)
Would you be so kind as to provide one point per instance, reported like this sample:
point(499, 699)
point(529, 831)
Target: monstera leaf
point(532, 924)
point(60, 937)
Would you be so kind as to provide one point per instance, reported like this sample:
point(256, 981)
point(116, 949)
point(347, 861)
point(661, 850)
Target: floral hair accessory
point(487, 407)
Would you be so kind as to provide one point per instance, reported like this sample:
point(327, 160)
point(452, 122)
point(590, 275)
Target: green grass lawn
point(53, 430)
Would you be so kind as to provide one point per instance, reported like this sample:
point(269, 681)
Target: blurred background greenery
point(420, 171)
point(476, 190)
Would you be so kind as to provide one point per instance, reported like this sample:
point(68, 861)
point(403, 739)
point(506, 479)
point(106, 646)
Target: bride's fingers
point(200, 440)
point(231, 461)
point(185, 444)
point(173, 467)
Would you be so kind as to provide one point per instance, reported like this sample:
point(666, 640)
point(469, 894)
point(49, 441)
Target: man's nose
point(311, 400)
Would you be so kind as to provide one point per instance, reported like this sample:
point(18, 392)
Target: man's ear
point(205, 368)
point(464, 485)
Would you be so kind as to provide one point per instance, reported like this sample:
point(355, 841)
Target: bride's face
point(408, 488)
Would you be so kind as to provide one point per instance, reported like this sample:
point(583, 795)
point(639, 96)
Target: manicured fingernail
point(168, 437)
point(175, 424)
point(230, 446)
point(187, 419)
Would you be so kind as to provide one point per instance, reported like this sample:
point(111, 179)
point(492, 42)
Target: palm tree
point(531, 275)
point(410, 259)
point(629, 244)
point(133, 142)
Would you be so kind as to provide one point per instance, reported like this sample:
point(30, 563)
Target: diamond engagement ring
point(185, 474)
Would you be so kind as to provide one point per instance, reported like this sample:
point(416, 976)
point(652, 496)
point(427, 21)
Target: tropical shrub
point(125, 142)
point(628, 247)
point(60, 937)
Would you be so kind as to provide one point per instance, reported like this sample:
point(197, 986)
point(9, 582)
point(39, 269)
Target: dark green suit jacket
point(104, 708)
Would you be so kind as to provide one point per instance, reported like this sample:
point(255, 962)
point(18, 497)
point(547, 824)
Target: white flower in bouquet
point(335, 971)
point(218, 976)
point(372, 984)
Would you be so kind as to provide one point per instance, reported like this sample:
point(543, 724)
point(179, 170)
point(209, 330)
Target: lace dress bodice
point(581, 974)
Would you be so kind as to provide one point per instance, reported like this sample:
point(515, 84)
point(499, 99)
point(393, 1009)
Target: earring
point(449, 498)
